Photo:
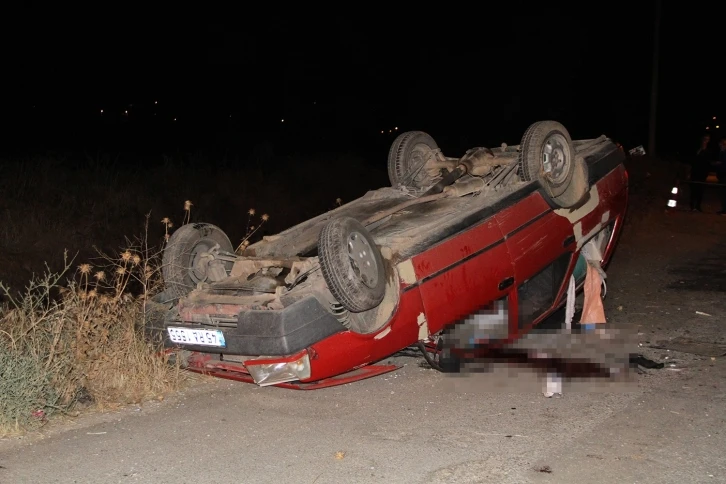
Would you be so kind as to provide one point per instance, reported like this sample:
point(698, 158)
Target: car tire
point(352, 265)
point(547, 155)
point(579, 186)
point(408, 151)
point(181, 252)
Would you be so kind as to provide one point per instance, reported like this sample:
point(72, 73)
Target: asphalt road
point(417, 425)
point(411, 426)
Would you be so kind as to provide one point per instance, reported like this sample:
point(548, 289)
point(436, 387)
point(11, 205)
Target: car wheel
point(352, 265)
point(548, 156)
point(407, 157)
point(578, 187)
point(186, 260)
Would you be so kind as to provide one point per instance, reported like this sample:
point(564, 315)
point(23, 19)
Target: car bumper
point(252, 332)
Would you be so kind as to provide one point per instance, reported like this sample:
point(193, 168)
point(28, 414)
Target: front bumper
point(292, 372)
point(253, 332)
point(262, 371)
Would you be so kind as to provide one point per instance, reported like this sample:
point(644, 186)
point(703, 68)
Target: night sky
point(467, 77)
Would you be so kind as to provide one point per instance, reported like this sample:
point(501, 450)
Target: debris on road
point(642, 361)
point(553, 385)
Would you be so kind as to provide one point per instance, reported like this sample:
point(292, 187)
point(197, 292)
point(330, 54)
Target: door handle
point(506, 283)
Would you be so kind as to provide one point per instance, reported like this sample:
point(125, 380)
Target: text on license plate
point(203, 337)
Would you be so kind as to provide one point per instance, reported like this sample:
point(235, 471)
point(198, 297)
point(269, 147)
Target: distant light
point(174, 119)
point(315, 102)
point(381, 131)
point(126, 112)
point(671, 203)
point(101, 111)
point(714, 117)
point(708, 127)
point(389, 130)
point(156, 102)
point(396, 128)
point(674, 191)
point(717, 126)
point(282, 120)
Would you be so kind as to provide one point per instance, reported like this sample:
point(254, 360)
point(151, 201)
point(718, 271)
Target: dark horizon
point(338, 82)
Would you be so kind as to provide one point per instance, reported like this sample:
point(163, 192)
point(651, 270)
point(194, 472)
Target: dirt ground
point(667, 281)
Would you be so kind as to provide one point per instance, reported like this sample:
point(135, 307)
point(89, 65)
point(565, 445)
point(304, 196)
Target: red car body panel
point(457, 275)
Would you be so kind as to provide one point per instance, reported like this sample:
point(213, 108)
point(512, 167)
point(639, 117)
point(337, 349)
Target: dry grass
point(77, 335)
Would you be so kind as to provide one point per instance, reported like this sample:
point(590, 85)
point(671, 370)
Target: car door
point(540, 245)
point(464, 273)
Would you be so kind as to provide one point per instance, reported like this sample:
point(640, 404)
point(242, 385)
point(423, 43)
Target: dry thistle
point(100, 276)
point(120, 270)
point(250, 213)
point(167, 225)
point(251, 229)
point(126, 256)
point(243, 244)
point(92, 293)
point(84, 269)
point(188, 209)
point(136, 259)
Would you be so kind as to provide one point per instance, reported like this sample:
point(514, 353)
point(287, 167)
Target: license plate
point(202, 337)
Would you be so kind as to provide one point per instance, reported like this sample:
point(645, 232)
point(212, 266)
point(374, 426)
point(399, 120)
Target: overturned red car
point(322, 302)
